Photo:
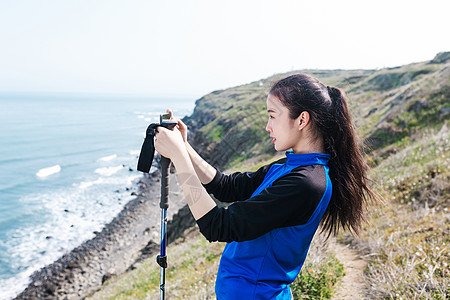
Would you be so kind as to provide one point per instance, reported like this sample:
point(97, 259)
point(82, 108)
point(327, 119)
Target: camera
point(148, 147)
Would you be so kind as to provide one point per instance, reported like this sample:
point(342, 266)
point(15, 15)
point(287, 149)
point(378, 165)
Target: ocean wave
point(108, 171)
point(86, 184)
point(11, 287)
point(134, 152)
point(108, 158)
point(48, 171)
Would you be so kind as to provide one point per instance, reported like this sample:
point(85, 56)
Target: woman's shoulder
point(310, 177)
point(265, 168)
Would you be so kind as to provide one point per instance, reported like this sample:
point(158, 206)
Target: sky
point(188, 48)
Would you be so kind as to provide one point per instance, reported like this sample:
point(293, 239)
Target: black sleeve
point(290, 201)
point(237, 186)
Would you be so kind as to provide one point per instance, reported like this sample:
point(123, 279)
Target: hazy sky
point(190, 48)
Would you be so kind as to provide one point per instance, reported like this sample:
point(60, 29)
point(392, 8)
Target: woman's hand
point(181, 126)
point(169, 143)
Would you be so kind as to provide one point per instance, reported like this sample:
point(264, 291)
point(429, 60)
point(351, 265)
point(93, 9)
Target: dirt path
point(352, 284)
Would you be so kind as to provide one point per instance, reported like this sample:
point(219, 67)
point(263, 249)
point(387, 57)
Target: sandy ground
point(352, 284)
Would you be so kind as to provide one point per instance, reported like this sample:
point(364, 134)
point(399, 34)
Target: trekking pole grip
point(165, 163)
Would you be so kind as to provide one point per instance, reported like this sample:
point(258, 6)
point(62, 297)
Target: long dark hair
point(331, 121)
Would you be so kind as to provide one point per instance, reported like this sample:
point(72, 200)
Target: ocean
point(67, 168)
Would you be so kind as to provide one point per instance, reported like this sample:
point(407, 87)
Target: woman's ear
point(302, 120)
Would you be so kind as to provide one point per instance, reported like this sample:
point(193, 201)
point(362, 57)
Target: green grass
point(191, 272)
point(317, 282)
point(215, 133)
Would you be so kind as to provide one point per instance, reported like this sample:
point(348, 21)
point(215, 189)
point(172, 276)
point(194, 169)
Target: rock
point(445, 110)
point(371, 111)
point(440, 58)
point(107, 277)
point(37, 283)
point(418, 105)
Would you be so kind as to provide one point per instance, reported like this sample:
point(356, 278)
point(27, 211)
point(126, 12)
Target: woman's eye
point(271, 117)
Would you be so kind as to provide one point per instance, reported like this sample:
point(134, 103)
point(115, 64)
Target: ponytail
point(347, 171)
point(332, 122)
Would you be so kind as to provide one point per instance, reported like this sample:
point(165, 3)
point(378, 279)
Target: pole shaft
point(162, 286)
point(164, 204)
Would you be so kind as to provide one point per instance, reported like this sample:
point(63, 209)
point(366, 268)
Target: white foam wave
point(11, 287)
point(134, 152)
point(108, 171)
point(86, 184)
point(108, 158)
point(48, 171)
point(153, 169)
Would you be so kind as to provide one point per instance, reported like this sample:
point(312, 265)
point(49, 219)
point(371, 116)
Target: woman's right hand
point(181, 126)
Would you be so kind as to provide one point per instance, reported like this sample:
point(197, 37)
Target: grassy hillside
point(402, 115)
point(406, 124)
point(229, 125)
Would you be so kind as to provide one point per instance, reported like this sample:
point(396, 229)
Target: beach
point(131, 236)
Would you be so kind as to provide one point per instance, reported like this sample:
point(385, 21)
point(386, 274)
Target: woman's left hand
point(169, 143)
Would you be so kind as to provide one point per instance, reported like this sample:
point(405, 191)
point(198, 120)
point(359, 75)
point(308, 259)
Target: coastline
point(131, 236)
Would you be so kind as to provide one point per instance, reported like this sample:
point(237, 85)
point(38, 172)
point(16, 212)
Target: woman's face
point(281, 127)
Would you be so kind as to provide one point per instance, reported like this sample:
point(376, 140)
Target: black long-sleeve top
point(289, 199)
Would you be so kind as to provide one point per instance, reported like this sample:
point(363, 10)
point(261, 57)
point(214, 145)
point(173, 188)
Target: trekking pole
point(164, 204)
point(144, 165)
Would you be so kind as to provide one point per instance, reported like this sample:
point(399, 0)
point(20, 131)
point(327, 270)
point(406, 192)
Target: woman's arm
point(204, 170)
point(199, 201)
point(170, 144)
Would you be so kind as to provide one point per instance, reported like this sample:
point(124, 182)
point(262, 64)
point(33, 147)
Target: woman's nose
point(268, 127)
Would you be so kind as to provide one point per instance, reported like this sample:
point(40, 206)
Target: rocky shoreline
point(131, 236)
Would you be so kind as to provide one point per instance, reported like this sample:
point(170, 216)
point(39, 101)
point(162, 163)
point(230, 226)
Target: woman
point(277, 209)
